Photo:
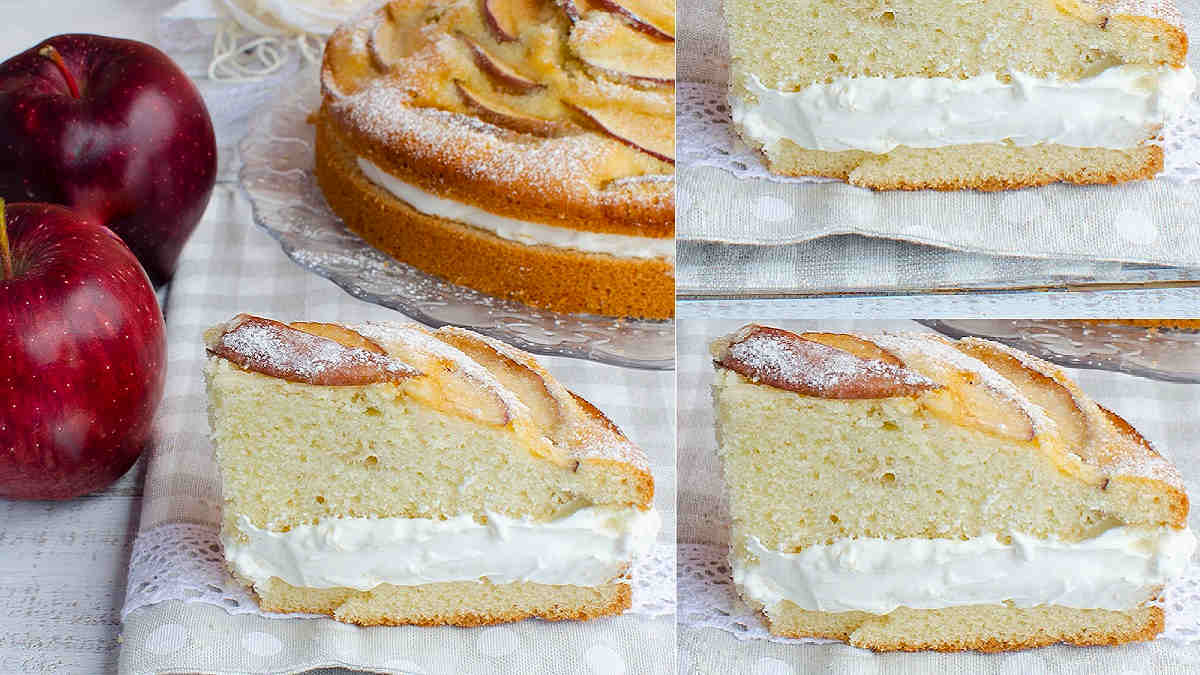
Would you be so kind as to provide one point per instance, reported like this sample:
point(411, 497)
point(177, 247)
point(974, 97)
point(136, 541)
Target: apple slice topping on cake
point(1039, 387)
point(550, 404)
point(494, 111)
point(1097, 436)
point(305, 353)
point(501, 74)
point(507, 18)
point(972, 395)
point(656, 19)
point(784, 360)
point(606, 68)
point(945, 381)
point(603, 41)
point(637, 130)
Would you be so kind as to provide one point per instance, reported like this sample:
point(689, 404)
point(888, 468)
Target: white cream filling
point(1118, 108)
point(521, 231)
point(1117, 570)
point(586, 548)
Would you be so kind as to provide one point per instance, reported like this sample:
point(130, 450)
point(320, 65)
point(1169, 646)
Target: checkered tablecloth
point(1167, 414)
point(231, 266)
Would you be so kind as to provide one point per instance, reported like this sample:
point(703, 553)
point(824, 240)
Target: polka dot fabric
point(202, 638)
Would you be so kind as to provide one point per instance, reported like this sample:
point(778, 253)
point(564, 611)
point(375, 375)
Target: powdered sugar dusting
point(384, 111)
point(935, 356)
point(1163, 10)
point(787, 361)
point(411, 337)
point(599, 438)
point(278, 350)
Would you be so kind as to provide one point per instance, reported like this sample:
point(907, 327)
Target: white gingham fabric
point(231, 266)
point(1167, 414)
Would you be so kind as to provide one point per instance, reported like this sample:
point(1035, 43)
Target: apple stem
point(5, 253)
point(48, 51)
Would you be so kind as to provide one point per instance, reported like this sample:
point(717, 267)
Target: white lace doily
point(706, 138)
point(707, 599)
point(185, 562)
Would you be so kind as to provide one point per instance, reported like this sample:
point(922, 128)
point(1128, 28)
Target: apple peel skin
point(135, 152)
point(85, 356)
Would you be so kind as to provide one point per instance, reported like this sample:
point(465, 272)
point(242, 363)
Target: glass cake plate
point(1158, 353)
point(277, 174)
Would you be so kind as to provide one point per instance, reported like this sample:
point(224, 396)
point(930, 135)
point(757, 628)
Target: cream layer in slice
point(589, 547)
point(1117, 570)
point(1118, 108)
point(521, 231)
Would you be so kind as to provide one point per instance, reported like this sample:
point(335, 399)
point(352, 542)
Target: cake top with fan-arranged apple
point(559, 112)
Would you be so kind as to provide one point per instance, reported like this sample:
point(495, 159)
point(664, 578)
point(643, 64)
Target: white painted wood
point(62, 579)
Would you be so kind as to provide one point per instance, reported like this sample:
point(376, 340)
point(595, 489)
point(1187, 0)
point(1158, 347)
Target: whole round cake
point(524, 148)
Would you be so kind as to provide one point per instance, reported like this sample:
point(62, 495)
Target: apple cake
point(388, 474)
point(523, 148)
point(953, 94)
point(903, 492)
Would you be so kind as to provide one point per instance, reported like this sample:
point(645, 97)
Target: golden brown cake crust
point(456, 171)
point(1014, 167)
point(1090, 627)
point(558, 279)
point(504, 602)
point(1184, 325)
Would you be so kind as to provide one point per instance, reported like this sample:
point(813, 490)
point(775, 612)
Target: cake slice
point(902, 492)
point(945, 94)
point(385, 473)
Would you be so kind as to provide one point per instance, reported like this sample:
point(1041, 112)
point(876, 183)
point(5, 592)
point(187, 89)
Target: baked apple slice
point(970, 396)
point(549, 402)
point(493, 111)
point(315, 354)
point(651, 134)
point(655, 20)
point(339, 334)
point(447, 382)
point(388, 43)
point(863, 349)
point(603, 41)
point(653, 17)
point(501, 74)
point(784, 360)
point(506, 18)
point(1040, 388)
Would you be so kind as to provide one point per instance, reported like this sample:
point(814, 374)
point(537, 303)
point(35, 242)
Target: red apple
point(115, 130)
point(84, 354)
